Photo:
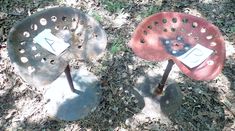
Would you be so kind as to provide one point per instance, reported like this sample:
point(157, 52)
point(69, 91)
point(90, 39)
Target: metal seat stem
point(69, 78)
point(162, 83)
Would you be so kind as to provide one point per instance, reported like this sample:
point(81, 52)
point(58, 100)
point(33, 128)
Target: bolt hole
point(57, 27)
point(79, 46)
point(194, 24)
point(210, 62)
point(174, 20)
point(203, 30)
point(150, 27)
point(34, 48)
point(43, 21)
point(52, 62)
point(24, 59)
point(64, 18)
point(34, 27)
point(155, 23)
point(142, 41)
point(26, 34)
point(215, 52)
point(185, 20)
point(176, 45)
point(53, 18)
point(173, 29)
point(95, 35)
point(73, 19)
point(165, 30)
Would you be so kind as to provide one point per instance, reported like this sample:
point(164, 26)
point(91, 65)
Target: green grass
point(151, 10)
point(117, 45)
point(97, 17)
point(233, 29)
point(113, 5)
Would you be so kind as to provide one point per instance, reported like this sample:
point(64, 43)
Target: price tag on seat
point(50, 42)
point(195, 56)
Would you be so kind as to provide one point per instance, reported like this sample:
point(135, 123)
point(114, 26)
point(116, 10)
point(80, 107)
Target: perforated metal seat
point(84, 37)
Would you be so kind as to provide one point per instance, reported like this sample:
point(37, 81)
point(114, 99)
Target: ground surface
point(206, 105)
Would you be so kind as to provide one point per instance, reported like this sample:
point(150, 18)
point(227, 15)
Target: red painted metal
point(147, 41)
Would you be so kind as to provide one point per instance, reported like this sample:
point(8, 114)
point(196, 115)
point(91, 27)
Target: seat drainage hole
point(164, 20)
point(203, 30)
point(213, 44)
point(44, 60)
point(53, 18)
point(150, 27)
point(24, 59)
point(43, 21)
point(34, 27)
point(22, 43)
point(57, 27)
point(194, 24)
point(73, 19)
point(37, 55)
point(34, 48)
point(65, 28)
point(21, 51)
point(64, 18)
point(26, 34)
point(142, 41)
point(174, 20)
point(52, 62)
point(209, 37)
point(173, 29)
point(185, 20)
point(79, 46)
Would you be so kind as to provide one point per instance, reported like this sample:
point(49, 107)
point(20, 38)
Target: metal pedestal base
point(165, 104)
point(171, 100)
point(67, 105)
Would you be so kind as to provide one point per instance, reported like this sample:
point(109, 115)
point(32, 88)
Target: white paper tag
point(195, 56)
point(50, 42)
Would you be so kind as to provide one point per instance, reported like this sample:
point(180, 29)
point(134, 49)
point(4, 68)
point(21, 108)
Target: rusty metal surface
point(37, 65)
point(167, 35)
